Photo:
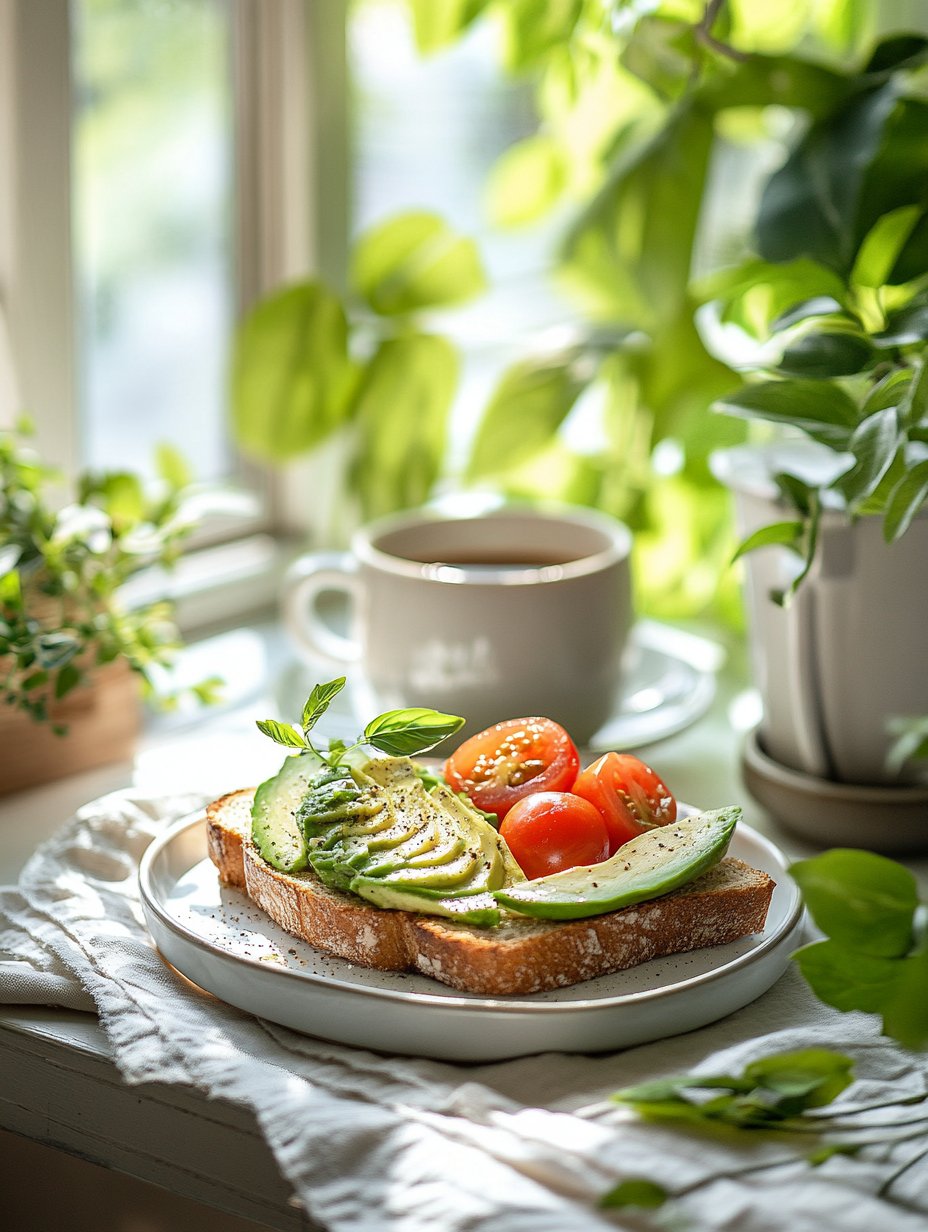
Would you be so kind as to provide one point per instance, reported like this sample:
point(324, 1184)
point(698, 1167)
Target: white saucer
point(669, 682)
point(890, 819)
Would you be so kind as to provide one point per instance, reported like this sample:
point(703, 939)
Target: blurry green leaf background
point(708, 190)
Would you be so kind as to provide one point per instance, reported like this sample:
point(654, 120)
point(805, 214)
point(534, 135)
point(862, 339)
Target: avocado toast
point(478, 943)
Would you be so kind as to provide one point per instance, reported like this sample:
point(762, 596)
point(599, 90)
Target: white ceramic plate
point(219, 940)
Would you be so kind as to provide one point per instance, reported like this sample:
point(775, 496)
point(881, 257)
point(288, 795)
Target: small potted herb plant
point(832, 506)
point(74, 658)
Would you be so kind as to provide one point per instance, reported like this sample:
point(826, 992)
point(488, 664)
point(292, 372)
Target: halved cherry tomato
point(499, 766)
point(628, 794)
point(553, 830)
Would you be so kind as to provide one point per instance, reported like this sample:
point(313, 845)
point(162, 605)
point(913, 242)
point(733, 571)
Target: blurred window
point(153, 181)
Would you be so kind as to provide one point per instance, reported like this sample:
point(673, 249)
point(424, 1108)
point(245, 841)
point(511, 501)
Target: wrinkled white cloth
point(401, 1145)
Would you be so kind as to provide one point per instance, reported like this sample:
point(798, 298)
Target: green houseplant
point(832, 325)
point(649, 123)
point(73, 656)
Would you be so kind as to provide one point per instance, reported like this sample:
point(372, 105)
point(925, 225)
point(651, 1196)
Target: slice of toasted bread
point(521, 955)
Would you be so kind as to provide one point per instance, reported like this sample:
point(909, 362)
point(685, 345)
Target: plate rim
point(513, 1005)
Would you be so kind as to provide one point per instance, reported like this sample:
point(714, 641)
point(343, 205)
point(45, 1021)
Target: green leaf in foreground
point(905, 1013)
point(319, 701)
point(808, 1078)
point(770, 1092)
point(861, 900)
point(847, 979)
point(635, 1191)
point(403, 733)
point(282, 733)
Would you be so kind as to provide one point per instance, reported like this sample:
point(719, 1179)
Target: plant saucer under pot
point(848, 656)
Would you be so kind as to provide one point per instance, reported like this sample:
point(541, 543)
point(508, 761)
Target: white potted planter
point(836, 665)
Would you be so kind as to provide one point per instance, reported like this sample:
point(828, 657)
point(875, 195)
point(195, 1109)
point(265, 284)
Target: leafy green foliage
point(872, 959)
point(636, 114)
point(526, 181)
point(768, 1095)
point(401, 417)
point(62, 570)
point(296, 382)
point(528, 406)
point(414, 261)
point(399, 733)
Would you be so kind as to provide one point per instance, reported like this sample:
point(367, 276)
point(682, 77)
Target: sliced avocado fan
point(654, 863)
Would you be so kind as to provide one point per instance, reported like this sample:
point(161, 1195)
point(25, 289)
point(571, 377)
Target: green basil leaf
point(403, 733)
point(861, 900)
point(905, 1014)
point(809, 1078)
point(414, 261)
point(318, 703)
point(821, 409)
point(635, 1191)
point(905, 500)
point(282, 733)
point(787, 534)
point(847, 979)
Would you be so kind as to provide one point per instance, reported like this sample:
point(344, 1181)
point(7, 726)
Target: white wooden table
point(58, 1085)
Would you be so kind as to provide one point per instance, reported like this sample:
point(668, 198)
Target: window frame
point(290, 142)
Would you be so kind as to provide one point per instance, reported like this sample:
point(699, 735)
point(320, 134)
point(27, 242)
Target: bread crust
point(522, 955)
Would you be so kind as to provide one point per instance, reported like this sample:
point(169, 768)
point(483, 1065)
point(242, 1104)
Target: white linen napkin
point(374, 1144)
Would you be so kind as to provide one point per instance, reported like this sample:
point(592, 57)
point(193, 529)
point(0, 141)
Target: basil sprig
point(399, 733)
point(786, 1093)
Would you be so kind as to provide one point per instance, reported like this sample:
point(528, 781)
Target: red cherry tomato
point(553, 830)
point(628, 794)
point(499, 766)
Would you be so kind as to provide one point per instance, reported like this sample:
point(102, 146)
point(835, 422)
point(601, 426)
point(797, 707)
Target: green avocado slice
point(275, 827)
point(652, 864)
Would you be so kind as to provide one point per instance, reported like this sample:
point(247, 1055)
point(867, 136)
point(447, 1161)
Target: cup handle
point(305, 580)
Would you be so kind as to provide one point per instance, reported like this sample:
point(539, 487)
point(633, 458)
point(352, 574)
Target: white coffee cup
point(516, 611)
